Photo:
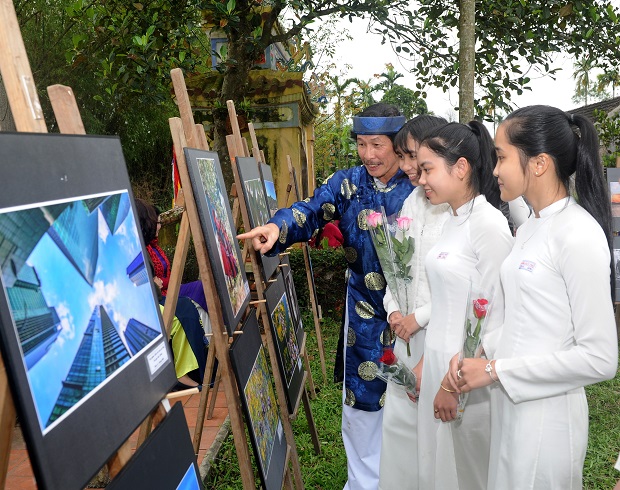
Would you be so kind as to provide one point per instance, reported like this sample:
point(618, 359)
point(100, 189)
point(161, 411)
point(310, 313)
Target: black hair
point(379, 109)
point(572, 143)
point(474, 143)
point(417, 129)
point(147, 216)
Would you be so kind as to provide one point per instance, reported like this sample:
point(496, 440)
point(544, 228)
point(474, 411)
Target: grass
point(325, 471)
point(328, 470)
point(604, 437)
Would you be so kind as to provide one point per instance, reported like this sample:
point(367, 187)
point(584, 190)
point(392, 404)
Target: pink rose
point(403, 223)
point(374, 219)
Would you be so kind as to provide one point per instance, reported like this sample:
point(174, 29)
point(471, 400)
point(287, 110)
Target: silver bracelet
point(489, 369)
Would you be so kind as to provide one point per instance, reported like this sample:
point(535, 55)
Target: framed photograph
point(286, 341)
point(270, 189)
point(165, 460)
point(256, 202)
point(259, 403)
point(80, 328)
point(613, 179)
point(291, 294)
point(616, 242)
point(220, 234)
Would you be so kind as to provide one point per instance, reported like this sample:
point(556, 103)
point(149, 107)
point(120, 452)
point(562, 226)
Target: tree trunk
point(467, 59)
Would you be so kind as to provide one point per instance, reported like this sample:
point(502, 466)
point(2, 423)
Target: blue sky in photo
point(271, 190)
point(190, 480)
point(74, 299)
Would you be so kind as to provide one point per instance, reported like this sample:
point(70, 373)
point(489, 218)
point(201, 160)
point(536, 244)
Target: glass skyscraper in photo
point(101, 352)
point(114, 210)
point(138, 335)
point(76, 234)
point(20, 231)
point(38, 325)
point(136, 271)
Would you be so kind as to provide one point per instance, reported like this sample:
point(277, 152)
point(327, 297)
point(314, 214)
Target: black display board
point(256, 203)
point(613, 180)
point(286, 340)
point(220, 234)
point(259, 403)
point(165, 461)
point(80, 328)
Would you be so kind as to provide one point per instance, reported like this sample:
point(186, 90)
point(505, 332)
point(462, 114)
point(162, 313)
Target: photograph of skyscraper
point(73, 274)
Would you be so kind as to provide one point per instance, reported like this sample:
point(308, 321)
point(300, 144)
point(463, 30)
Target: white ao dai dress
point(559, 335)
point(471, 249)
point(399, 449)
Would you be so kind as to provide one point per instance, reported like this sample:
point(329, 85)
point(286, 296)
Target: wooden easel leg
point(206, 388)
point(7, 423)
point(311, 425)
point(315, 311)
point(28, 116)
point(288, 483)
point(216, 387)
point(311, 387)
point(145, 429)
point(119, 459)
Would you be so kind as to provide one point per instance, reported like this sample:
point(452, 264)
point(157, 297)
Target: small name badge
point(442, 255)
point(527, 265)
point(156, 359)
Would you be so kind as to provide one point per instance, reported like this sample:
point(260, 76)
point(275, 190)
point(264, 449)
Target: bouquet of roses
point(476, 314)
point(391, 369)
point(394, 250)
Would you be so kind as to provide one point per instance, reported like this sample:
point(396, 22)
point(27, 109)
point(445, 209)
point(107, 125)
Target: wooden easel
point(184, 134)
point(28, 116)
point(258, 154)
point(316, 308)
point(235, 143)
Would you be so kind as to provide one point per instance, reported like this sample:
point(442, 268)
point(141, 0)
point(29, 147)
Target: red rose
point(388, 358)
point(480, 307)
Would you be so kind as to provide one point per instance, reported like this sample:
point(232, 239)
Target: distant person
point(191, 320)
point(329, 234)
point(150, 224)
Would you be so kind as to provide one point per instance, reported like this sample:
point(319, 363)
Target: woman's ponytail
point(590, 184)
point(488, 158)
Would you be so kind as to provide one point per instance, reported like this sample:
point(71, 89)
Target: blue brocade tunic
point(349, 196)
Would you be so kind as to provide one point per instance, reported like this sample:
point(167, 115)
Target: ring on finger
point(436, 411)
point(458, 374)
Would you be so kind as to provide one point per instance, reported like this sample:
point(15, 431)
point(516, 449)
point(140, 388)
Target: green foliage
point(131, 47)
point(329, 267)
point(511, 37)
point(604, 436)
point(334, 148)
point(51, 29)
point(585, 88)
point(609, 135)
point(406, 100)
point(327, 470)
point(604, 80)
